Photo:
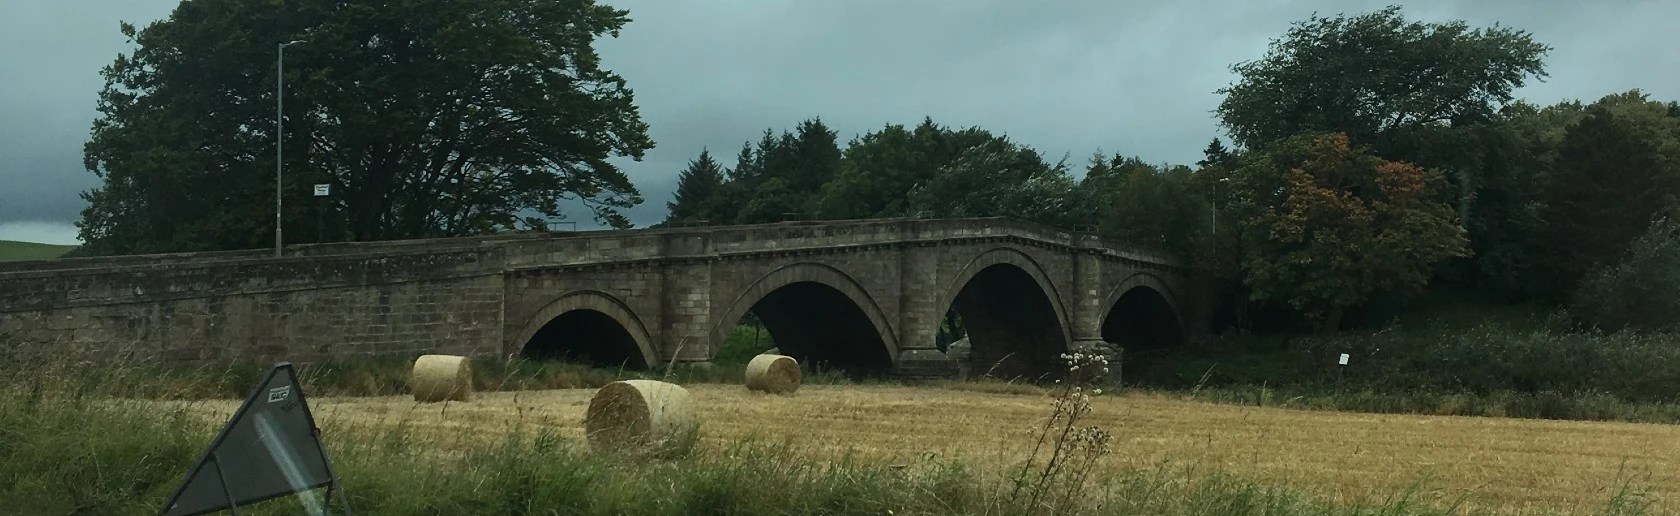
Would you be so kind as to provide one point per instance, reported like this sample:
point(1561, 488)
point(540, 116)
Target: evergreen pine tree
point(1215, 154)
point(697, 190)
point(816, 155)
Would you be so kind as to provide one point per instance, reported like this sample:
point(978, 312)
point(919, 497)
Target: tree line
point(1372, 155)
point(1367, 155)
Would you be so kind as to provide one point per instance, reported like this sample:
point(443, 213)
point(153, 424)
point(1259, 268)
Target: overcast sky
point(1067, 77)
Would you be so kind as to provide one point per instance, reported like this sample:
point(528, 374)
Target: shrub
point(1055, 479)
point(744, 342)
point(1643, 291)
point(1465, 359)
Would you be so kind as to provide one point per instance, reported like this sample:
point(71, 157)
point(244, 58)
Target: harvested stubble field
point(1505, 465)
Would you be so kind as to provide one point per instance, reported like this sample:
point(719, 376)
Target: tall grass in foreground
point(69, 446)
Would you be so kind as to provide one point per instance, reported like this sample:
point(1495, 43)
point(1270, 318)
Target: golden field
point(1512, 465)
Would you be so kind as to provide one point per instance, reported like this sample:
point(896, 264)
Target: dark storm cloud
point(50, 55)
point(1068, 78)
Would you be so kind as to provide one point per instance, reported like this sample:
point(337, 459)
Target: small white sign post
point(1341, 362)
point(322, 190)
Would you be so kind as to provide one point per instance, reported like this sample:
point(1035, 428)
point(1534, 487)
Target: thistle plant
point(1065, 450)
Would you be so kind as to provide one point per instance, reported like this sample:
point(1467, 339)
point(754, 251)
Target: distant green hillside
point(18, 251)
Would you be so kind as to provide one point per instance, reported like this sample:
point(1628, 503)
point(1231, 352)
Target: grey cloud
point(51, 52)
point(1066, 77)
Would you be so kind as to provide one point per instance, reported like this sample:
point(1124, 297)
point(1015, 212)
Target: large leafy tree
point(999, 179)
point(1614, 170)
point(1423, 93)
point(1375, 77)
point(1133, 201)
point(880, 169)
point(1642, 290)
point(699, 190)
point(925, 171)
point(1504, 227)
point(774, 200)
point(428, 117)
point(1325, 224)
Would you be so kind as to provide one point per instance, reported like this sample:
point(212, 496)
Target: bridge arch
point(1014, 319)
point(1141, 315)
point(818, 314)
point(1142, 279)
point(617, 336)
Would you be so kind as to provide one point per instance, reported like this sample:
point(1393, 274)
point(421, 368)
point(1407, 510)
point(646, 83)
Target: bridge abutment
point(925, 364)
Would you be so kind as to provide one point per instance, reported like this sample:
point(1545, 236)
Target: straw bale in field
point(775, 374)
point(441, 378)
point(641, 417)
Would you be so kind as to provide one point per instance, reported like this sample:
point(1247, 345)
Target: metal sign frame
point(210, 457)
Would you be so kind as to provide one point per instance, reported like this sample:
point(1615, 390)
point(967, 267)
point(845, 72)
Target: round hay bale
point(641, 417)
point(775, 374)
point(440, 378)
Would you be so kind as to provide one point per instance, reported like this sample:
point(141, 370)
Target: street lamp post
point(279, 135)
point(1215, 203)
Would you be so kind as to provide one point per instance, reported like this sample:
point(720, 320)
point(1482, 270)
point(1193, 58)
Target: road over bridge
point(861, 295)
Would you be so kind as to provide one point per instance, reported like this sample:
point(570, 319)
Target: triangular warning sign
point(270, 448)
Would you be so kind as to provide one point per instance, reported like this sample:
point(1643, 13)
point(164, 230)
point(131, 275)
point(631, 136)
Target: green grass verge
point(11, 251)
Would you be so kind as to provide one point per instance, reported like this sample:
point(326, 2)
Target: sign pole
point(233, 505)
point(327, 462)
point(321, 192)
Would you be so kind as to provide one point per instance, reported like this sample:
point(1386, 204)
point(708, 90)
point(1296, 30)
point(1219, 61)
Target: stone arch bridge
point(859, 295)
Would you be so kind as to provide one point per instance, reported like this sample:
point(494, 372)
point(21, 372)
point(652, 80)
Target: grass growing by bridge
point(72, 446)
point(11, 251)
point(1593, 377)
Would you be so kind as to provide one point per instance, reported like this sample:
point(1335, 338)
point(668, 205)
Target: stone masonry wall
point(300, 309)
point(478, 296)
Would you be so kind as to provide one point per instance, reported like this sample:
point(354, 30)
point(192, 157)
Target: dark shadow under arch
point(585, 336)
point(820, 327)
point(1142, 322)
point(818, 315)
point(586, 327)
point(1010, 316)
point(1011, 325)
